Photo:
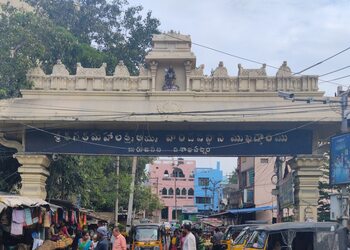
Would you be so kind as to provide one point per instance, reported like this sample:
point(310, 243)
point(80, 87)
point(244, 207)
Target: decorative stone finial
point(121, 70)
point(142, 70)
point(284, 70)
point(220, 71)
point(59, 69)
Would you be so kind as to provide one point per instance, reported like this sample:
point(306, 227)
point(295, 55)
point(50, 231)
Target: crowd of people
point(184, 238)
point(189, 237)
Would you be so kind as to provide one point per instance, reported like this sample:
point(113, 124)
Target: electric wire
point(334, 71)
point(322, 61)
point(257, 62)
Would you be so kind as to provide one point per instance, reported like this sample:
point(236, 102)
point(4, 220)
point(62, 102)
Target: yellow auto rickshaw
point(241, 240)
point(230, 235)
point(299, 236)
point(147, 236)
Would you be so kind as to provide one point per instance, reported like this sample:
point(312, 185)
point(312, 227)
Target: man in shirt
point(217, 237)
point(102, 239)
point(190, 240)
point(119, 240)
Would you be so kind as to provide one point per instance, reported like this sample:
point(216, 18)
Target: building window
point(177, 191)
point(183, 191)
point(264, 160)
point(244, 179)
point(251, 176)
point(166, 173)
point(171, 191)
point(203, 182)
point(177, 172)
point(203, 200)
point(191, 191)
point(164, 191)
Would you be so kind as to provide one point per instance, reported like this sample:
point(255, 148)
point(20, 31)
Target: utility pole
point(175, 176)
point(344, 129)
point(117, 188)
point(131, 196)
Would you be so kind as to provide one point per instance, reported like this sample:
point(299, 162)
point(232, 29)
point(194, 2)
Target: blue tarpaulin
point(250, 210)
point(244, 210)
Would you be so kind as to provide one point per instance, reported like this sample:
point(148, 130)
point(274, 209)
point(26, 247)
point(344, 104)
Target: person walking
point(190, 240)
point(216, 240)
point(103, 243)
point(119, 240)
point(85, 243)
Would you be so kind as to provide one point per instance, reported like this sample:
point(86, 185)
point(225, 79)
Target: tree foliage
point(94, 181)
point(90, 32)
point(113, 27)
point(323, 209)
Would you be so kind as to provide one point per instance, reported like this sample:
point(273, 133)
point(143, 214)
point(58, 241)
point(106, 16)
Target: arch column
point(34, 173)
point(306, 177)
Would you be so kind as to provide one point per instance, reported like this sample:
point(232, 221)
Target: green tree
point(94, 180)
point(323, 209)
point(113, 27)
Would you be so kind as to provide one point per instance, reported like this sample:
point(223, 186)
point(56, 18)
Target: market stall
point(22, 221)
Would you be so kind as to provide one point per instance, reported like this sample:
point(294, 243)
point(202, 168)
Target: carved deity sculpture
point(170, 78)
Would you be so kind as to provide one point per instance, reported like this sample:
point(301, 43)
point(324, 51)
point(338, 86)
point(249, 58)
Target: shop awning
point(20, 201)
point(243, 211)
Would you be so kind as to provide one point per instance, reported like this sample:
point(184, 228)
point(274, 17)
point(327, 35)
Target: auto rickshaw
point(299, 236)
point(241, 240)
point(230, 235)
point(147, 236)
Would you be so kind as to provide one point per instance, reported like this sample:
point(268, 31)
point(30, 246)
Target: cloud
point(301, 32)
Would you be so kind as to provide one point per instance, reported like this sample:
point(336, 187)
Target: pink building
point(173, 181)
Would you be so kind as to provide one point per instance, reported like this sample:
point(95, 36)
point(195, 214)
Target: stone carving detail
point(81, 71)
point(121, 70)
point(142, 70)
point(198, 71)
point(37, 71)
point(220, 71)
point(59, 69)
point(252, 72)
point(170, 77)
point(284, 70)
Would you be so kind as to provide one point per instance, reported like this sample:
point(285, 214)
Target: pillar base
point(34, 172)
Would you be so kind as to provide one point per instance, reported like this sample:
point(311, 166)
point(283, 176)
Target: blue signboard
point(169, 143)
point(339, 165)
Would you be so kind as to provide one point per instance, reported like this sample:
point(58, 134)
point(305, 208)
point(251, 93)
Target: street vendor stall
point(22, 221)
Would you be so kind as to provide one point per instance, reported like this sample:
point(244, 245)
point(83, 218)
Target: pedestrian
point(216, 239)
point(103, 243)
point(119, 240)
point(190, 240)
point(175, 243)
point(85, 243)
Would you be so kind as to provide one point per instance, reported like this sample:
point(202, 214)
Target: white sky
point(270, 31)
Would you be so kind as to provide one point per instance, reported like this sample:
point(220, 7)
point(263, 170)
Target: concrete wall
point(264, 170)
point(160, 180)
point(215, 176)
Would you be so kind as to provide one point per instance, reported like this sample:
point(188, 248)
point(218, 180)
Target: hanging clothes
point(16, 228)
point(28, 216)
point(18, 216)
point(47, 219)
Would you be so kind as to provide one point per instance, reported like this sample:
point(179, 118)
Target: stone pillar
point(34, 172)
point(188, 67)
point(154, 66)
point(306, 194)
